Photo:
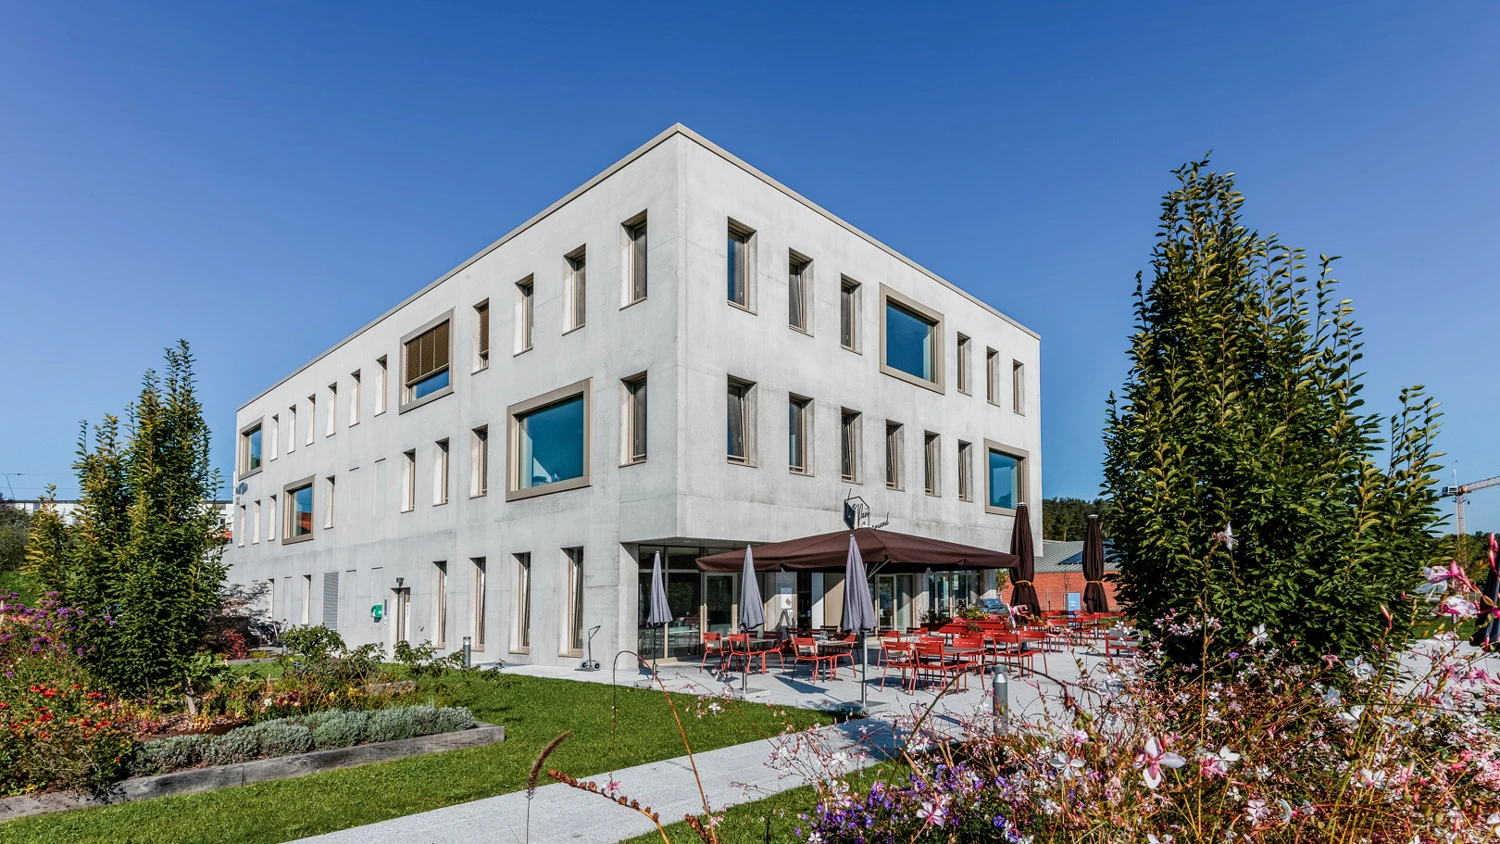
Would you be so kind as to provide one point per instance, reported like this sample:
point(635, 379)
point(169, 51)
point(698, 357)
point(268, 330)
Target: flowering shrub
point(58, 730)
point(1405, 748)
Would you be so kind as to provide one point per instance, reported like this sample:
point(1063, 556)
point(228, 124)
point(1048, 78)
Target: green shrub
point(453, 718)
point(235, 746)
point(391, 724)
point(169, 754)
point(339, 729)
point(283, 738)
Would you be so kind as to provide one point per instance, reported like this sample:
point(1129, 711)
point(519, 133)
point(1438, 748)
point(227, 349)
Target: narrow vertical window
point(633, 419)
point(992, 376)
point(635, 260)
point(574, 558)
point(522, 640)
point(328, 488)
point(740, 417)
point(965, 478)
point(798, 411)
point(440, 473)
point(741, 241)
point(333, 410)
point(291, 429)
point(244, 525)
point(849, 446)
point(440, 604)
point(275, 435)
point(271, 518)
point(798, 285)
point(477, 627)
point(893, 455)
point(255, 523)
point(479, 462)
point(354, 398)
point(577, 288)
point(312, 418)
point(408, 481)
point(963, 363)
point(1017, 387)
point(849, 314)
point(525, 313)
point(306, 599)
point(932, 457)
point(482, 335)
point(380, 378)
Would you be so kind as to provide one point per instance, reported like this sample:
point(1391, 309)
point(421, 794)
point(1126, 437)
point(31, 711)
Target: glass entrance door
point(718, 603)
point(893, 601)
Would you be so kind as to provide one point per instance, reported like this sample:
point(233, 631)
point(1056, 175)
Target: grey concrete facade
point(688, 341)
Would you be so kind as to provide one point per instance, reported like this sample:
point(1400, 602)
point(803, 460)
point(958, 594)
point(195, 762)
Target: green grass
point(533, 710)
point(747, 822)
point(28, 588)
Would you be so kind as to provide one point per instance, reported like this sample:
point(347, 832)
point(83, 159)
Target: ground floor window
point(949, 592)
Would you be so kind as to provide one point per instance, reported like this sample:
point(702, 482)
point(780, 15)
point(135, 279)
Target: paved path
point(560, 813)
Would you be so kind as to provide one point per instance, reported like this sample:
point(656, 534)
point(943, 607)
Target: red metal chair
point(713, 646)
point(806, 650)
point(934, 660)
point(902, 657)
point(1011, 647)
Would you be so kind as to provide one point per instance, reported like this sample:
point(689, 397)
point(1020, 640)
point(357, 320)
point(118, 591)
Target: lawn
point(533, 710)
point(747, 823)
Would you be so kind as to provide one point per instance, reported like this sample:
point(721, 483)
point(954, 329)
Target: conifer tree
point(144, 555)
point(1242, 407)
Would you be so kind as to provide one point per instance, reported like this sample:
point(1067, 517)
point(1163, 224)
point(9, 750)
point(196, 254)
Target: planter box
point(261, 770)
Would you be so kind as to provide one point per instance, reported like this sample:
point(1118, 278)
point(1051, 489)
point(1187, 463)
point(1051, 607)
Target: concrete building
point(681, 356)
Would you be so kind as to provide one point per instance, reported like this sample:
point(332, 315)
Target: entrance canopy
point(888, 551)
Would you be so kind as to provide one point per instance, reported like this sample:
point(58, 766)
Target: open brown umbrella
point(883, 550)
point(1094, 598)
point(1021, 546)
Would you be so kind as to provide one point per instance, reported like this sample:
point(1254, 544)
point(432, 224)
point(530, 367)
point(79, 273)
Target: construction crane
point(1459, 492)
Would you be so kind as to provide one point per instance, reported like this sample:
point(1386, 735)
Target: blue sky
point(263, 179)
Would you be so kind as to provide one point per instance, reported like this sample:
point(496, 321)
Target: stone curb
point(261, 770)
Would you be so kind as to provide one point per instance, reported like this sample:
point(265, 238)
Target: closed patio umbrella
point(1094, 598)
point(659, 613)
point(1487, 632)
point(859, 609)
point(752, 607)
point(1021, 546)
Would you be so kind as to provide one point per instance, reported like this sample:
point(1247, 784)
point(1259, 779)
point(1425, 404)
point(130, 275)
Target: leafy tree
point(15, 523)
point(1243, 406)
point(1067, 519)
point(145, 553)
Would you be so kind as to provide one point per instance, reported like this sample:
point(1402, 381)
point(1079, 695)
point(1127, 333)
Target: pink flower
point(1151, 760)
point(1458, 606)
point(1454, 574)
point(932, 812)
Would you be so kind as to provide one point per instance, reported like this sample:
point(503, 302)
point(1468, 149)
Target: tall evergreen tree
point(145, 553)
point(1242, 407)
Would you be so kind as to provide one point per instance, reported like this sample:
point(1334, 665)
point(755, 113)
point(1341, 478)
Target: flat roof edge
point(664, 136)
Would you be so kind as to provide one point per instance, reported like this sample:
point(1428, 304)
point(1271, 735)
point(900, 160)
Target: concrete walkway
point(730, 775)
point(560, 813)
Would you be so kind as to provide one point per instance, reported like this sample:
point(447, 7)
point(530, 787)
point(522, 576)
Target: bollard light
point(1000, 686)
point(468, 652)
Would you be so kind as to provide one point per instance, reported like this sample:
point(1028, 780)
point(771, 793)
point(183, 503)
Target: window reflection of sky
point(908, 342)
point(551, 444)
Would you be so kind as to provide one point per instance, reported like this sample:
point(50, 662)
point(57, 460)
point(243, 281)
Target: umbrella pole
point(864, 670)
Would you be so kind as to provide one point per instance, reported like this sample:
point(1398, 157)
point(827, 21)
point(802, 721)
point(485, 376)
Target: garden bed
point(196, 780)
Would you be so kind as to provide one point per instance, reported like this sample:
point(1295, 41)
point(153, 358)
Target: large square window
point(297, 501)
point(910, 341)
point(426, 354)
point(1005, 479)
point(550, 442)
point(250, 454)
